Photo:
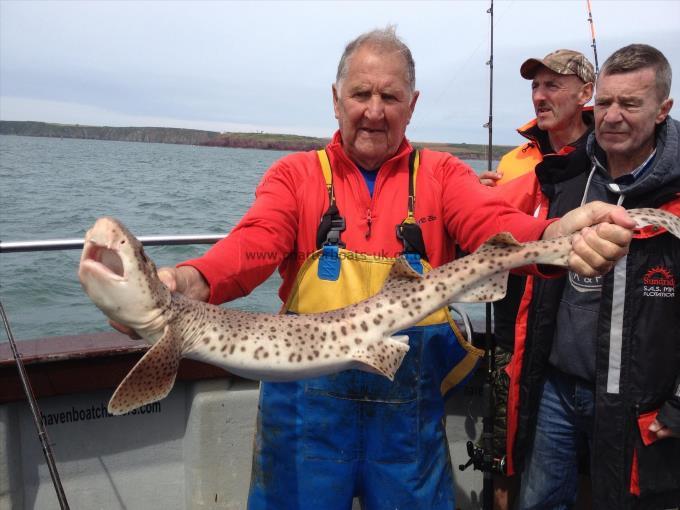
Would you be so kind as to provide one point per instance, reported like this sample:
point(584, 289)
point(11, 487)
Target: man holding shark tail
point(596, 359)
point(322, 442)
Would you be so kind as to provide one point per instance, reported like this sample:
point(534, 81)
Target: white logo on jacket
point(585, 284)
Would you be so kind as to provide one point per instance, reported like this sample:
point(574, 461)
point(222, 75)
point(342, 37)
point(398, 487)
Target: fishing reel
point(482, 461)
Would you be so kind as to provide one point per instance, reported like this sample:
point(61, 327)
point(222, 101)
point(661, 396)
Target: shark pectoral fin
point(384, 357)
point(486, 290)
point(152, 378)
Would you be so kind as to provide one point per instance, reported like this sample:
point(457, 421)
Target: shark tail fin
point(152, 378)
point(384, 357)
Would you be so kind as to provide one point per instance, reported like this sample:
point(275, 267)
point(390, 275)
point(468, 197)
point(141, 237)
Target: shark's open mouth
point(106, 257)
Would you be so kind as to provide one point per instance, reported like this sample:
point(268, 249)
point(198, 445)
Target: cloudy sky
point(268, 66)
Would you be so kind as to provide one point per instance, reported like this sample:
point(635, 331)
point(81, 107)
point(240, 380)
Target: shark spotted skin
point(122, 281)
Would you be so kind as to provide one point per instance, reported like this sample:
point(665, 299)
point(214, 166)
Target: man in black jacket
point(601, 356)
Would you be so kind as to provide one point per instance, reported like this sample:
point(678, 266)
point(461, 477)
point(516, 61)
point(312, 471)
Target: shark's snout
point(101, 255)
point(106, 257)
point(104, 248)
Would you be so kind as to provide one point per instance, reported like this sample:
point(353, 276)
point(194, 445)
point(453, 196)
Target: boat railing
point(77, 244)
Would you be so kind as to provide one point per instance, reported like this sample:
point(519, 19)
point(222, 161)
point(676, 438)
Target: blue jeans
point(563, 432)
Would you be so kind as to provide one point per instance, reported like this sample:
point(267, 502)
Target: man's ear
point(586, 93)
point(664, 110)
point(336, 101)
point(414, 99)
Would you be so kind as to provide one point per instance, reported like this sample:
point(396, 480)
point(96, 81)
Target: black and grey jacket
point(637, 366)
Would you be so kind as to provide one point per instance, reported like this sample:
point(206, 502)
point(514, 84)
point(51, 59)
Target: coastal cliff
point(269, 141)
point(123, 134)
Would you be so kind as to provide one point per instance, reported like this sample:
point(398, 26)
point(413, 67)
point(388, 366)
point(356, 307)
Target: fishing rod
point(482, 458)
point(33, 404)
point(592, 34)
point(489, 347)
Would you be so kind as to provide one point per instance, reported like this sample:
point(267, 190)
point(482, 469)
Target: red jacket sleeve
point(473, 212)
point(255, 247)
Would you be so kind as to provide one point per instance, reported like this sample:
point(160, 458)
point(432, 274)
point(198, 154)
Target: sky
point(268, 66)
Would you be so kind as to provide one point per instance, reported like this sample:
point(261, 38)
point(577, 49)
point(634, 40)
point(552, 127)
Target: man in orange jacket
point(561, 86)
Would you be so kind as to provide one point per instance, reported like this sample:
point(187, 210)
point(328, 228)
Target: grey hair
point(641, 56)
point(382, 39)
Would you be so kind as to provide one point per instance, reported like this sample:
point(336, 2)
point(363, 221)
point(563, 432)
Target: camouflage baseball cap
point(561, 62)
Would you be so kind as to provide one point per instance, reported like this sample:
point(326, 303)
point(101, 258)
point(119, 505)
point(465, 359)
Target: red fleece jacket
point(279, 230)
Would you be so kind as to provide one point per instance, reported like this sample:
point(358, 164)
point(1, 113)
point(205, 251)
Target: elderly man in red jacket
point(332, 220)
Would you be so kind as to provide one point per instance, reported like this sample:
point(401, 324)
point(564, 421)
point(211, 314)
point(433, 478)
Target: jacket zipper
point(369, 214)
point(369, 221)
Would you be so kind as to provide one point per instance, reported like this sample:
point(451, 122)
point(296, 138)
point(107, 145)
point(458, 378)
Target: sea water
point(52, 188)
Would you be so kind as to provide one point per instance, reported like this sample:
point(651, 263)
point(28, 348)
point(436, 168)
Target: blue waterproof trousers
point(321, 442)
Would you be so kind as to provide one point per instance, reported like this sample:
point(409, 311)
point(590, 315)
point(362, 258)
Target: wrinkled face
point(558, 99)
point(627, 110)
point(373, 104)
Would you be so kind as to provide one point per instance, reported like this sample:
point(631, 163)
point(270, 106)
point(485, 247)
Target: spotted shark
point(122, 281)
